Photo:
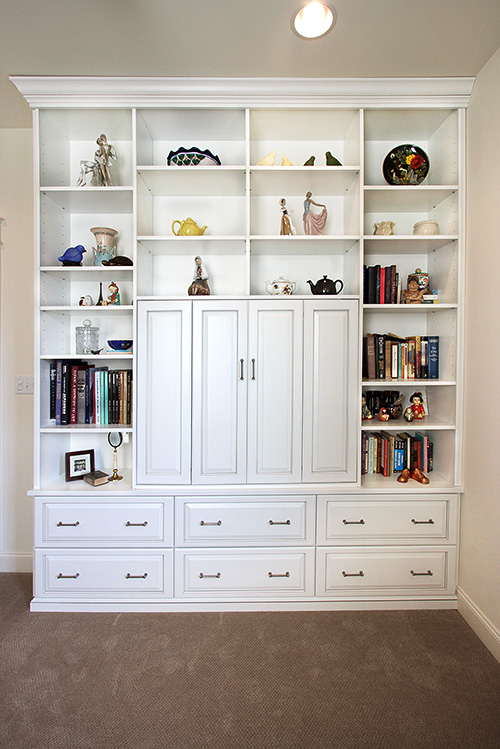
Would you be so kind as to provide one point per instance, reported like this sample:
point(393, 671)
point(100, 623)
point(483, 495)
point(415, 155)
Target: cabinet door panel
point(164, 393)
point(275, 391)
point(330, 390)
point(219, 392)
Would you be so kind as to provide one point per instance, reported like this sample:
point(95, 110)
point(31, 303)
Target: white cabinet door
point(219, 392)
point(330, 390)
point(275, 391)
point(163, 441)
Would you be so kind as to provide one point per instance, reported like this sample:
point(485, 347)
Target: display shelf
point(421, 309)
point(400, 425)
point(409, 244)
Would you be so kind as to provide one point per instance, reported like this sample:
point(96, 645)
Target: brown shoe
point(419, 476)
point(404, 475)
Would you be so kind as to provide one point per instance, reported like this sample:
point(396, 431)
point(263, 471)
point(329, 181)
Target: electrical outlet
point(24, 385)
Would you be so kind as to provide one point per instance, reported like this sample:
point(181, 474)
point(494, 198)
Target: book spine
point(433, 356)
point(52, 403)
point(73, 394)
point(65, 393)
point(58, 391)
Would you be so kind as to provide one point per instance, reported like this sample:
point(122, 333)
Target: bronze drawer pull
point(253, 369)
point(202, 575)
point(241, 370)
point(67, 525)
point(128, 524)
point(353, 574)
point(429, 573)
point(128, 576)
point(286, 574)
point(354, 522)
point(67, 577)
point(206, 522)
point(422, 522)
point(280, 522)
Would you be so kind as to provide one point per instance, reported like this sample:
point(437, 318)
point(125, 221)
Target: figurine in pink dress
point(314, 223)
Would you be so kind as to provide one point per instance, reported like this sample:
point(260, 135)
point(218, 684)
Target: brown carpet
point(325, 680)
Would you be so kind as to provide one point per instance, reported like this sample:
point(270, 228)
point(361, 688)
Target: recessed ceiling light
point(313, 19)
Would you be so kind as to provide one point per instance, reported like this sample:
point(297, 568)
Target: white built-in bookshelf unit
point(204, 537)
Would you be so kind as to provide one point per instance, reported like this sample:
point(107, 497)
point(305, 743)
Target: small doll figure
point(365, 411)
point(200, 279)
point(414, 294)
point(114, 297)
point(286, 222)
point(417, 406)
point(383, 414)
point(408, 414)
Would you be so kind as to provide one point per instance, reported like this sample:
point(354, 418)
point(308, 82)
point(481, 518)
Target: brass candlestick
point(115, 439)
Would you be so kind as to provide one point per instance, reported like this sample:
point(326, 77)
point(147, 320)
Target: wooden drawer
point(386, 571)
point(386, 520)
point(104, 574)
point(109, 523)
point(273, 573)
point(237, 522)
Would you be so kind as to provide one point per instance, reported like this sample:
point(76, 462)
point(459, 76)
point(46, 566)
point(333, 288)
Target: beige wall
point(16, 348)
point(480, 553)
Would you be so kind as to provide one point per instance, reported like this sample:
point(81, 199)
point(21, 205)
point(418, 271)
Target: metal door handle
point(279, 522)
point(128, 576)
point(354, 522)
point(241, 370)
point(422, 522)
point(67, 525)
point(206, 522)
point(286, 574)
point(202, 575)
point(135, 525)
point(67, 577)
point(253, 369)
point(353, 574)
point(421, 574)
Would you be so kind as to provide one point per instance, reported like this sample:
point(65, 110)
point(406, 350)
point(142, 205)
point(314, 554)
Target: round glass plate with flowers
point(406, 165)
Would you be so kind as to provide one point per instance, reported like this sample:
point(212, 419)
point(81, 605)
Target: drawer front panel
point(249, 522)
point(222, 574)
point(104, 574)
point(385, 520)
point(106, 523)
point(382, 571)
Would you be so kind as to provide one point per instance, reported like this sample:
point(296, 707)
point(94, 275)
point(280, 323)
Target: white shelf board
point(295, 244)
point(377, 483)
point(88, 357)
point(396, 308)
point(200, 181)
point(400, 425)
point(406, 198)
point(91, 199)
point(86, 428)
point(408, 382)
point(291, 180)
point(108, 308)
point(209, 245)
point(88, 272)
point(409, 244)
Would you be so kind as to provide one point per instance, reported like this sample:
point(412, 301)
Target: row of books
point(81, 393)
point(381, 285)
point(387, 453)
point(389, 357)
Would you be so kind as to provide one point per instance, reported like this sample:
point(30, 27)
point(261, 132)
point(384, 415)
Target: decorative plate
point(406, 165)
point(192, 157)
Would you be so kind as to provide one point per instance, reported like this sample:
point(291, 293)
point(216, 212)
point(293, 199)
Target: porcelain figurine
point(417, 405)
point(331, 160)
point(268, 160)
point(384, 228)
point(366, 414)
point(188, 228)
point(199, 285)
point(286, 162)
point(105, 249)
point(326, 286)
point(314, 223)
point(280, 286)
point(86, 301)
point(408, 414)
point(413, 294)
point(310, 161)
point(114, 293)
point(286, 222)
point(100, 167)
point(73, 255)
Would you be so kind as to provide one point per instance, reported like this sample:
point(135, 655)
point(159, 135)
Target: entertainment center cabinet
point(243, 487)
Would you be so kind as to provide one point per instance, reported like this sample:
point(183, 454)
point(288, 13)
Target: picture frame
point(78, 463)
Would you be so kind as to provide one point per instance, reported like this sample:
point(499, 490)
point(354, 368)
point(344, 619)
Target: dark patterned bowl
point(123, 345)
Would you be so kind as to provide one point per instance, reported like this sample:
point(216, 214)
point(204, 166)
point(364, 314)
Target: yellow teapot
point(188, 228)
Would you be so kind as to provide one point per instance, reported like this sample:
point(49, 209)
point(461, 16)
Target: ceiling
point(372, 38)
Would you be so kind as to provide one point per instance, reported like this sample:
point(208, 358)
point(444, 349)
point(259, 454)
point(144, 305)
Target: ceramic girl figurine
point(365, 411)
point(314, 223)
point(114, 296)
point(286, 222)
point(417, 406)
point(200, 279)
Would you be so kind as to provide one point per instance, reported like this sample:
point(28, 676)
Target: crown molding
point(113, 92)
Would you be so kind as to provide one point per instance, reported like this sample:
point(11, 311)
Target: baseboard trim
point(16, 563)
point(479, 623)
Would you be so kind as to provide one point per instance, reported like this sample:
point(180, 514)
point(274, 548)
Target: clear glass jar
point(87, 338)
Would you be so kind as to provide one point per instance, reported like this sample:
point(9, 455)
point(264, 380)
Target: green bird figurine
point(331, 160)
point(310, 161)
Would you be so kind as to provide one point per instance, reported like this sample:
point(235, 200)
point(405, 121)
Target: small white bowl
point(426, 227)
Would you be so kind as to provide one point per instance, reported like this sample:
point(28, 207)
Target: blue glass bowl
point(123, 345)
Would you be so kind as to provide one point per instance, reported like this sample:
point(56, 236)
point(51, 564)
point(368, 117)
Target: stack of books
point(81, 393)
point(389, 357)
point(387, 453)
point(381, 285)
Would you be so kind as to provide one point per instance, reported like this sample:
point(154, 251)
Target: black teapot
point(326, 286)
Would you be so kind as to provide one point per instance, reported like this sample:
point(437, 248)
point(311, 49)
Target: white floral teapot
point(280, 286)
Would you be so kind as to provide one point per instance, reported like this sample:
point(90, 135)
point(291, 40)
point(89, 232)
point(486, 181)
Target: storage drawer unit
point(386, 571)
point(234, 521)
point(98, 574)
point(386, 520)
point(120, 522)
point(273, 573)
